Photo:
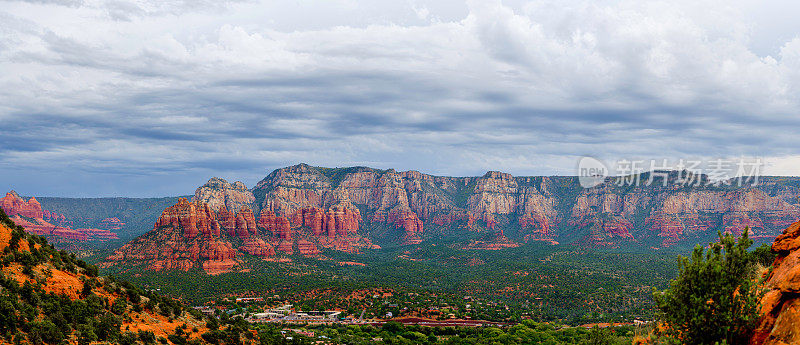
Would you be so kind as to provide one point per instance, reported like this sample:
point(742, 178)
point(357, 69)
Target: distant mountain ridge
point(407, 207)
point(135, 215)
point(37, 220)
point(524, 208)
point(301, 209)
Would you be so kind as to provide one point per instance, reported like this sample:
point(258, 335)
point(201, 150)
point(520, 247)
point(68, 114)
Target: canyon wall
point(303, 209)
point(546, 208)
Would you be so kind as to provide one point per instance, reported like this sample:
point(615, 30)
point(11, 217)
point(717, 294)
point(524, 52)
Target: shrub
point(147, 337)
point(119, 306)
point(86, 334)
point(715, 297)
point(763, 255)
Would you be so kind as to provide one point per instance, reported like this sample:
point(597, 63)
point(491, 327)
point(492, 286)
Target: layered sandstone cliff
point(349, 208)
point(218, 193)
point(528, 208)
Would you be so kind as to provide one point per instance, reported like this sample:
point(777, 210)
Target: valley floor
point(540, 282)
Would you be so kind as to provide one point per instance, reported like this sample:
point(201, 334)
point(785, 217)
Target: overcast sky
point(151, 98)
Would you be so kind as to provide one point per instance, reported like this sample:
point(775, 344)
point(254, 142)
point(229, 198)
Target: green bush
point(119, 306)
point(715, 296)
point(763, 255)
point(86, 334)
point(147, 337)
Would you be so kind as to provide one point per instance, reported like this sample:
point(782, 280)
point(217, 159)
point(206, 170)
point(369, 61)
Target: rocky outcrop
point(312, 217)
point(14, 205)
point(218, 193)
point(305, 247)
point(226, 219)
point(193, 218)
point(277, 226)
point(59, 219)
point(257, 246)
point(245, 223)
point(780, 306)
point(186, 236)
point(34, 219)
point(408, 221)
point(285, 246)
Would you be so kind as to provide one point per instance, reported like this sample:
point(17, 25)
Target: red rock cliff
point(192, 218)
point(780, 306)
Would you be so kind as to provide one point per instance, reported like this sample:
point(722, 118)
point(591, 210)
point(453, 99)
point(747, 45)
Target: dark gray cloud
point(152, 98)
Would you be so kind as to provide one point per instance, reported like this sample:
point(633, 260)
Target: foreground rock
point(780, 306)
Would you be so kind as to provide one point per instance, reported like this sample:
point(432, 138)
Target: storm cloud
point(146, 98)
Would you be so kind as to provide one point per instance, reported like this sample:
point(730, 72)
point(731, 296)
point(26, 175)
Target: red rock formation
point(536, 227)
point(342, 221)
point(780, 306)
point(339, 220)
point(226, 219)
point(314, 218)
point(192, 217)
point(14, 205)
point(304, 247)
point(112, 223)
point(618, 227)
point(409, 222)
point(42, 228)
point(59, 219)
point(285, 246)
point(31, 216)
point(537, 223)
point(257, 246)
point(184, 237)
point(245, 223)
point(277, 226)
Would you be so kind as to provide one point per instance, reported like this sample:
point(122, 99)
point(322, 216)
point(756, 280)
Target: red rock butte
point(191, 235)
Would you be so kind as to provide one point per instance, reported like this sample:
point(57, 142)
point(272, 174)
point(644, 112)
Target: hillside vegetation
point(50, 296)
